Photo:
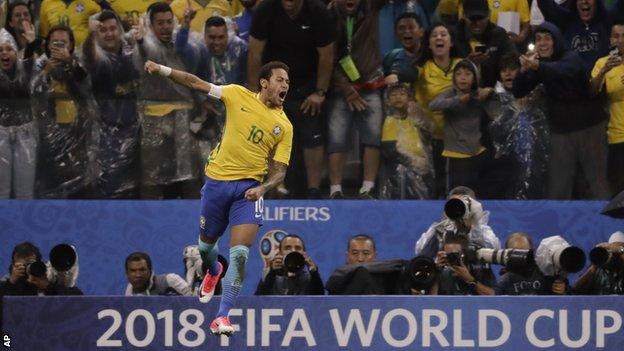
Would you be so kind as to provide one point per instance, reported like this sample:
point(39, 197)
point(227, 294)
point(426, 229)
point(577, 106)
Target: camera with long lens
point(422, 273)
point(555, 256)
point(457, 208)
point(64, 265)
point(603, 257)
point(293, 263)
point(514, 260)
point(36, 269)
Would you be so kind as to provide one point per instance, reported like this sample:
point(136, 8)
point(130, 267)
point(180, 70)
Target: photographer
point(605, 279)
point(143, 281)
point(28, 275)
point(459, 277)
point(529, 280)
point(472, 225)
point(288, 278)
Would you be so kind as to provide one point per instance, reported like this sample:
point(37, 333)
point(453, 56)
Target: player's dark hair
point(405, 15)
point(361, 237)
point(138, 256)
point(215, 21)
point(158, 7)
point(266, 71)
point(293, 236)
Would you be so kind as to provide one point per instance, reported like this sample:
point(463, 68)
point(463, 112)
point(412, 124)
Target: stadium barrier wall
point(316, 323)
point(105, 232)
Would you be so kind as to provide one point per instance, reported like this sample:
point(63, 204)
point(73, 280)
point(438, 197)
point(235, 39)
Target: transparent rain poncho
point(519, 131)
point(169, 152)
point(63, 109)
point(115, 80)
point(407, 171)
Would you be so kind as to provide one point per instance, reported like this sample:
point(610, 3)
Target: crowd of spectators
point(516, 99)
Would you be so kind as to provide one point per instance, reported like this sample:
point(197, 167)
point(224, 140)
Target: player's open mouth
point(282, 95)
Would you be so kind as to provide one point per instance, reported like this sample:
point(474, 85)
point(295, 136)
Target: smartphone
point(530, 47)
point(614, 51)
point(58, 44)
point(481, 48)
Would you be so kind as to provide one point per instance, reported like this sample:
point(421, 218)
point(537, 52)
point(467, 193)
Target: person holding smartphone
point(60, 104)
point(608, 75)
point(482, 41)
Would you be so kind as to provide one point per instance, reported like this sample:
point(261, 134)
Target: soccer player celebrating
point(256, 129)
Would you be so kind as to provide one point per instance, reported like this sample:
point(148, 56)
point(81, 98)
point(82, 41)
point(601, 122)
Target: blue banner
point(316, 323)
point(105, 232)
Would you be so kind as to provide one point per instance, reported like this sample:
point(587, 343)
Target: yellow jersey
point(212, 8)
point(519, 6)
point(253, 132)
point(433, 80)
point(74, 14)
point(130, 10)
point(615, 92)
point(405, 134)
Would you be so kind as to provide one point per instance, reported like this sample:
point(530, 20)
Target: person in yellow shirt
point(256, 142)
point(405, 149)
point(608, 74)
point(73, 14)
point(435, 75)
point(129, 11)
point(205, 9)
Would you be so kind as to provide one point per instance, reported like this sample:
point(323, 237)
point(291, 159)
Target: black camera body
point(36, 269)
point(455, 258)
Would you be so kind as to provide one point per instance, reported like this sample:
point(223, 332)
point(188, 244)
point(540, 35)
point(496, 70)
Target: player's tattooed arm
point(277, 173)
point(188, 80)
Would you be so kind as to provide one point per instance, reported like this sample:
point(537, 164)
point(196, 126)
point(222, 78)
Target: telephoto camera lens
point(62, 257)
point(422, 273)
point(600, 256)
point(37, 269)
point(294, 262)
point(455, 209)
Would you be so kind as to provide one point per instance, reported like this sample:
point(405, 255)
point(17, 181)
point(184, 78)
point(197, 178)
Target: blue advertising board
point(316, 323)
point(105, 232)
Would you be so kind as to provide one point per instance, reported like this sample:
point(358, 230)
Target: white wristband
point(164, 71)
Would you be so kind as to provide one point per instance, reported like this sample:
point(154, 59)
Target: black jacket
point(497, 42)
point(303, 283)
point(569, 104)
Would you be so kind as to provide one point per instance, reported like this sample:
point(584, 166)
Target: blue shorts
point(223, 203)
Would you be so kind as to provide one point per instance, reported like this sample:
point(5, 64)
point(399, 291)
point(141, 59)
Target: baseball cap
point(476, 8)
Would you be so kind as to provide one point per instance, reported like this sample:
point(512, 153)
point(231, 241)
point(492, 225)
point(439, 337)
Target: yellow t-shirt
point(615, 91)
point(75, 15)
point(213, 8)
point(130, 10)
point(520, 6)
point(432, 81)
point(253, 132)
point(404, 132)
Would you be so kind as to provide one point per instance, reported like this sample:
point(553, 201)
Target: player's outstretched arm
point(183, 78)
point(277, 173)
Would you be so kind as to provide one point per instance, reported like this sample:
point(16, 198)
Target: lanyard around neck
point(349, 33)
